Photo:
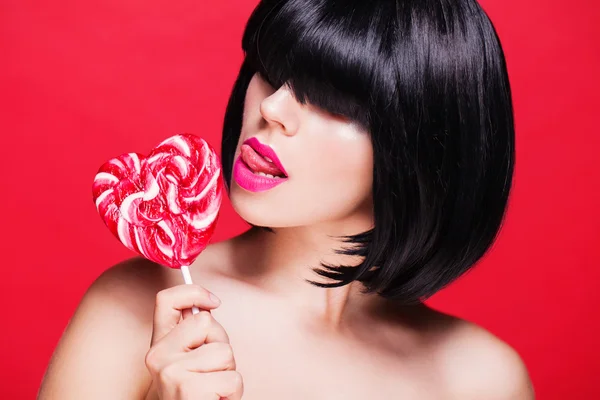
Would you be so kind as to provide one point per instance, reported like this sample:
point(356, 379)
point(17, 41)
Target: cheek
point(346, 151)
point(341, 163)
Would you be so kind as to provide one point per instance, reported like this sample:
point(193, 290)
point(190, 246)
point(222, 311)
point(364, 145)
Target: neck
point(281, 261)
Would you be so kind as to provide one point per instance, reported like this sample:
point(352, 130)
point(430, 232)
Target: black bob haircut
point(428, 80)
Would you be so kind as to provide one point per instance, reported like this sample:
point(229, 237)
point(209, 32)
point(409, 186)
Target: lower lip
point(248, 180)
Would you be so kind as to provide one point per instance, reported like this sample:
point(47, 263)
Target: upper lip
point(265, 151)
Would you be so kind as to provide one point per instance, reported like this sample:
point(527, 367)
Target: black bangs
point(324, 56)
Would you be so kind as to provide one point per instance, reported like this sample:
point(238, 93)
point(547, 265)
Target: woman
point(371, 147)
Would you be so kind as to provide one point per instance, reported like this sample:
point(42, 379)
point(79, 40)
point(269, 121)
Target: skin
point(273, 335)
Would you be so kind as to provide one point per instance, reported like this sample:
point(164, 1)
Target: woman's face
point(322, 163)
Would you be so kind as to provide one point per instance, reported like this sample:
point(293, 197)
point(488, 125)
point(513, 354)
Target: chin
point(287, 206)
point(269, 209)
point(257, 209)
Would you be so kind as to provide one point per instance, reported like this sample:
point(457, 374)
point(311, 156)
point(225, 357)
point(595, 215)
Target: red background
point(82, 82)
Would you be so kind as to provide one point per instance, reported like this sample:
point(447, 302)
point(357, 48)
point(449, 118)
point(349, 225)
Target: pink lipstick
point(258, 168)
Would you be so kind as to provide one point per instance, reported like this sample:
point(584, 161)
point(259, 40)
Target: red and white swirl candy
point(163, 206)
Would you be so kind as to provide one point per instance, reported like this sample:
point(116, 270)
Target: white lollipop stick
point(185, 271)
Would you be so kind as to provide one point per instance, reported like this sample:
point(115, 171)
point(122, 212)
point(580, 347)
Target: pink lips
point(250, 181)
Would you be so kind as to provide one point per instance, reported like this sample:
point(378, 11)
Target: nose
point(280, 109)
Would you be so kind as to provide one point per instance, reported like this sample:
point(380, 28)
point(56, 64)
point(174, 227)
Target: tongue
point(257, 163)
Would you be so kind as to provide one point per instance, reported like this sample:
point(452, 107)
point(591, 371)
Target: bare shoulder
point(132, 286)
point(134, 283)
point(128, 290)
point(101, 352)
point(476, 364)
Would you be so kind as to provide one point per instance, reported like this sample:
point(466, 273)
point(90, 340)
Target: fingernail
point(214, 299)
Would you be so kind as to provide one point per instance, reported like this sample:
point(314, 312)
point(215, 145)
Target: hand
point(190, 356)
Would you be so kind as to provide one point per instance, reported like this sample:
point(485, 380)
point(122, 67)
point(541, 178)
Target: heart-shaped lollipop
point(163, 206)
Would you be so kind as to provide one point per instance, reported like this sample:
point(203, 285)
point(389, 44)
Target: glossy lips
point(165, 206)
point(258, 163)
point(262, 158)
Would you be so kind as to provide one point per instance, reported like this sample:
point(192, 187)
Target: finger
point(186, 313)
point(172, 301)
point(201, 328)
point(227, 384)
point(210, 357)
point(191, 333)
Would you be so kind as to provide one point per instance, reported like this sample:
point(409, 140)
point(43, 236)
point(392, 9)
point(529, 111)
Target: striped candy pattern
point(163, 206)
